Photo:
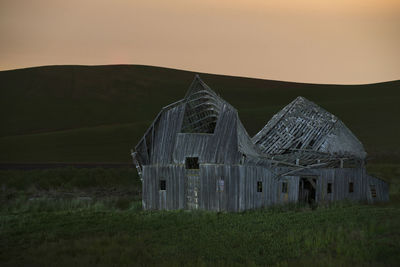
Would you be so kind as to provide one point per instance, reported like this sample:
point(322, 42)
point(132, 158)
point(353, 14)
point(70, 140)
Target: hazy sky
point(321, 41)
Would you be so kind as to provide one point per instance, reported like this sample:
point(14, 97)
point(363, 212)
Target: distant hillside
point(97, 113)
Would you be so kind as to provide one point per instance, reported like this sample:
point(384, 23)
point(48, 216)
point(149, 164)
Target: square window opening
point(163, 185)
point(329, 189)
point(192, 163)
point(351, 187)
point(259, 186)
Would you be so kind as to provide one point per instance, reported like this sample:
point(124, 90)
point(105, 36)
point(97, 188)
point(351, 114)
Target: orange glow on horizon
point(320, 41)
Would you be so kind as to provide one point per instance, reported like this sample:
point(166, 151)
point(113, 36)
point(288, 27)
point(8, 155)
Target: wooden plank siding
point(240, 187)
point(382, 190)
point(340, 179)
point(174, 195)
point(229, 164)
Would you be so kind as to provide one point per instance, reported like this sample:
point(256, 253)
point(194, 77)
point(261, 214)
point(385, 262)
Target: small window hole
point(163, 185)
point(329, 189)
point(259, 186)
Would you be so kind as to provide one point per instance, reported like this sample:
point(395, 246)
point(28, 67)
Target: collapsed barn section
point(197, 155)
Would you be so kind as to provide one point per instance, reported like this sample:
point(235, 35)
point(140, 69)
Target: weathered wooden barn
point(197, 155)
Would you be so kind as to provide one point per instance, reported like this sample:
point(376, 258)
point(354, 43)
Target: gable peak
point(197, 86)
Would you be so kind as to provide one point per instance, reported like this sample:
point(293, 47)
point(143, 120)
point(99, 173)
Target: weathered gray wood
point(302, 140)
point(301, 122)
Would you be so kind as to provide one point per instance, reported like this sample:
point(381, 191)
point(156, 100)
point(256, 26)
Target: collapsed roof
point(302, 135)
point(203, 116)
point(304, 131)
point(202, 110)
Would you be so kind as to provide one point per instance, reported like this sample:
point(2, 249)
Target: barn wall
point(382, 189)
point(271, 193)
point(250, 198)
point(165, 130)
point(340, 179)
point(191, 145)
point(292, 194)
point(221, 147)
point(240, 187)
point(293, 188)
point(224, 146)
point(211, 197)
point(174, 195)
point(164, 144)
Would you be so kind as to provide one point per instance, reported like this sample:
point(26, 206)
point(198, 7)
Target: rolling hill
point(98, 113)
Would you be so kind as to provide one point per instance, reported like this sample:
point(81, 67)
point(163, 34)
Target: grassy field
point(96, 234)
point(93, 217)
point(58, 217)
point(97, 114)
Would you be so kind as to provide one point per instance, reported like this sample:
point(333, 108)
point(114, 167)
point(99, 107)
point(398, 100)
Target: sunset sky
point(319, 41)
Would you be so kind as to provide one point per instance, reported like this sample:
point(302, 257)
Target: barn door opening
point(192, 189)
point(307, 189)
point(192, 183)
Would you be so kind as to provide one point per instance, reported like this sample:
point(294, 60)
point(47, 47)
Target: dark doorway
point(307, 189)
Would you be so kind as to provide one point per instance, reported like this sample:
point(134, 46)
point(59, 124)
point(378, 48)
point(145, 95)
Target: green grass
point(97, 114)
point(114, 231)
point(100, 235)
point(69, 178)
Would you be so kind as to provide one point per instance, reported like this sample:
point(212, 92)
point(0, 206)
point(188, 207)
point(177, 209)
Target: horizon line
point(193, 71)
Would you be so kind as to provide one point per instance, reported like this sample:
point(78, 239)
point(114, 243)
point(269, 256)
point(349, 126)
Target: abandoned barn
point(197, 155)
